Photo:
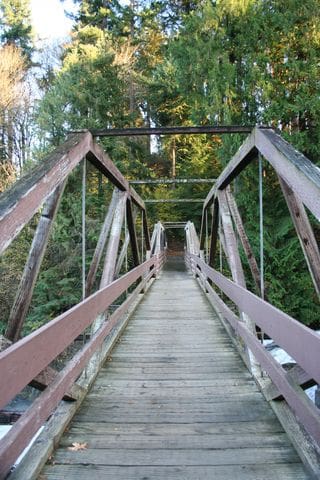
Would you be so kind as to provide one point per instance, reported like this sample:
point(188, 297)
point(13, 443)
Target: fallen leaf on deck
point(78, 446)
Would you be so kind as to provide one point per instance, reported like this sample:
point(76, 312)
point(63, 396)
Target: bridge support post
point(101, 243)
point(214, 233)
point(304, 231)
point(244, 239)
point(237, 273)
point(109, 269)
point(32, 267)
point(132, 233)
point(124, 250)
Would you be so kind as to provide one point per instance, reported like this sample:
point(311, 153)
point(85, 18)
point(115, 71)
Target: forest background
point(160, 63)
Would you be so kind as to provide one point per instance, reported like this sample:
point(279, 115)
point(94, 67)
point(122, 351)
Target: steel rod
point(84, 179)
point(161, 181)
point(261, 228)
point(174, 200)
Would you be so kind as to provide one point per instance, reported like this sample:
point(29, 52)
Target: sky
point(49, 20)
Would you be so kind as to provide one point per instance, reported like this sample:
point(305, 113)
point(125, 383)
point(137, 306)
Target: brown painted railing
point(27, 361)
point(21, 362)
point(299, 180)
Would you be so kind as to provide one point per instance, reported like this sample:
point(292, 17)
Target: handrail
point(25, 359)
point(299, 180)
point(299, 341)
point(22, 361)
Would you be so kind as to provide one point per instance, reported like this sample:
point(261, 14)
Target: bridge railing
point(27, 360)
point(300, 183)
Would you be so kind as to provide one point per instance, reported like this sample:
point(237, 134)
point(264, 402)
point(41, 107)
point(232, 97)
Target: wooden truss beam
point(301, 175)
point(244, 240)
point(91, 277)
point(305, 233)
point(132, 234)
point(31, 270)
point(20, 202)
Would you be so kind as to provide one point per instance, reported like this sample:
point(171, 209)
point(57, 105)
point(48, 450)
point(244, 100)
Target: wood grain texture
point(172, 402)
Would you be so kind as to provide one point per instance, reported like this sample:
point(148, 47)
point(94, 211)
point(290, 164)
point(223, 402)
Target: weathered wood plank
point(293, 471)
point(239, 161)
point(102, 162)
point(234, 414)
point(296, 375)
point(196, 442)
point(263, 427)
point(248, 456)
point(244, 239)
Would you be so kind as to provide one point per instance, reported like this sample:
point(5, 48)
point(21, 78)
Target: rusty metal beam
point(168, 181)
point(174, 200)
point(197, 130)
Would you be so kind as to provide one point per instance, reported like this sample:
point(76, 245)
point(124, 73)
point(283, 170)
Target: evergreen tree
point(185, 63)
point(15, 25)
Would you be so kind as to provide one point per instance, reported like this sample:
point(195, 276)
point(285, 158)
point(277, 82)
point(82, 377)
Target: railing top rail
point(30, 355)
point(299, 341)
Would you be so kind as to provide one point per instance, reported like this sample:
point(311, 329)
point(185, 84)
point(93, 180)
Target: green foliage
point(15, 25)
point(180, 62)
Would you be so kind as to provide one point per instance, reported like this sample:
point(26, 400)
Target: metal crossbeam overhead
point(169, 225)
point(174, 200)
point(164, 181)
point(202, 129)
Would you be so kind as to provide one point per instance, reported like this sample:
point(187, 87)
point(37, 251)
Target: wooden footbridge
point(173, 383)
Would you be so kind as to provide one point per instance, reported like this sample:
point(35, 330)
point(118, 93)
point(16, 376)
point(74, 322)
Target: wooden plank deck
point(175, 402)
